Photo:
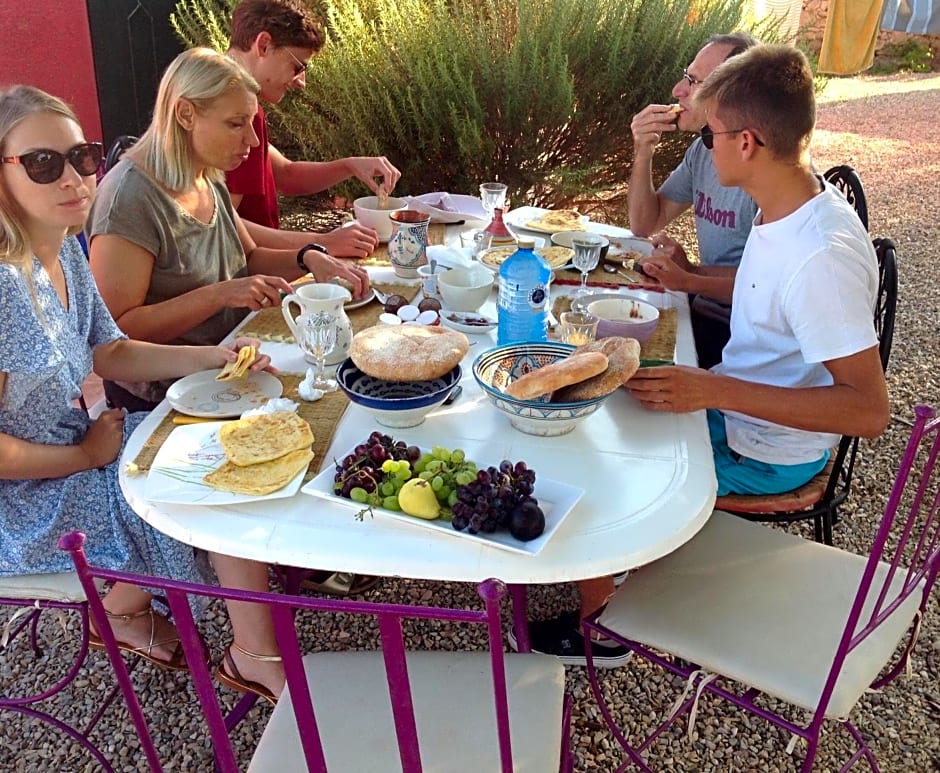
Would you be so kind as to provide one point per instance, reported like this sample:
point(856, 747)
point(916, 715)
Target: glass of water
point(587, 253)
point(318, 339)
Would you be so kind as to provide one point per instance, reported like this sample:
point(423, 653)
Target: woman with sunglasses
point(172, 259)
point(59, 467)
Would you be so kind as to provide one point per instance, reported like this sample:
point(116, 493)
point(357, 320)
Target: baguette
point(623, 360)
point(574, 368)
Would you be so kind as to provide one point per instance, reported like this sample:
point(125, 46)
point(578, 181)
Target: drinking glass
point(587, 253)
point(477, 241)
point(578, 327)
point(318, 339)
point(493, 196)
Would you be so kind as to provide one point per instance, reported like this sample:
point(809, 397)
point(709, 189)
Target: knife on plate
point(191, 420)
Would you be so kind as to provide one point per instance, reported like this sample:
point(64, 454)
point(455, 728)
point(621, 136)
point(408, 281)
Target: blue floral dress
point(45, 362)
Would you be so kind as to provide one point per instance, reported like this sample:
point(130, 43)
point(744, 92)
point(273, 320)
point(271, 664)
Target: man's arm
point(301, 178)
point(352, 240)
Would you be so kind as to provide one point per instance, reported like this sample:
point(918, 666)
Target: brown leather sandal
point(176, 663)
point(227, 673)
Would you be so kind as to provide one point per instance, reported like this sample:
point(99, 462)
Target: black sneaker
point(561, 636)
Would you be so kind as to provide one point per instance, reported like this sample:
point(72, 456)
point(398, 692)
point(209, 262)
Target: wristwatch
point(305, 249)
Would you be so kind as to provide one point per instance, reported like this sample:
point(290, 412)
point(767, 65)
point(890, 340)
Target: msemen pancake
point(260, 479)
point(261, 438)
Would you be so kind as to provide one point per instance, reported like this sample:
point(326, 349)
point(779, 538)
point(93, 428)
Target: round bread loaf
point(572, 369)
point(407, 352)
point(623, 360)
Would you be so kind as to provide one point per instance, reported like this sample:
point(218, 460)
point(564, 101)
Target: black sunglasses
point(46, 166)
point(708, 136)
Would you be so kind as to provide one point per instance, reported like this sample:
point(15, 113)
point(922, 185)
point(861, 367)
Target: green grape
point(457, 456)
point(437, 483)
point(388, 488)
point(443, 493)
point(359, 495)
point(452, 498)
point(441, 453)
point(425, 475)
point(464, 477)
point(403, 475)
point(389, 465)
point(391, 503)
point(434, 465)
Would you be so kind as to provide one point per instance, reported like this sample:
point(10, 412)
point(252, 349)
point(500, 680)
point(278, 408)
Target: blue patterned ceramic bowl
point(496, 369)
point(395, 403)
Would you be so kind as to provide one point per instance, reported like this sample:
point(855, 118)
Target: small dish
point(469, 322)
point(200, 394)
point(626, 247)
point(356, 303)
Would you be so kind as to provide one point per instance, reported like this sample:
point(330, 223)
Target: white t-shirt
point(804, 293)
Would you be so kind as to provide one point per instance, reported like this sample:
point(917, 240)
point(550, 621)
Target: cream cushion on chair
point(454, 710)
point(763, 607)
point(45, 587)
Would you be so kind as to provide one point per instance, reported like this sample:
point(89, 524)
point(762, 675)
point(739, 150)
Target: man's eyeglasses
point(708, 136)
point(692, 80)
point(299, 67)
point(46, 166)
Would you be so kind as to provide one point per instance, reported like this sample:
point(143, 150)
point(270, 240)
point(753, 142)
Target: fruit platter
point(505, 504)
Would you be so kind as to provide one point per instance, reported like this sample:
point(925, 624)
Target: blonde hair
point(16, 104)
point(201, 76)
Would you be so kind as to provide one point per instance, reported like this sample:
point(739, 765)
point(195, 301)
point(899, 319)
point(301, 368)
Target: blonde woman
point(58, 467)
point(172, 259)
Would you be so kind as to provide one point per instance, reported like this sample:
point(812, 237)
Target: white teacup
point(313, 297)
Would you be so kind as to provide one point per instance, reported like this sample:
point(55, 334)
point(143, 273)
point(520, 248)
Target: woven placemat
point(660, 349)
point(600, 278)
point(436, 233)
point(323, 416)
point(269, 324)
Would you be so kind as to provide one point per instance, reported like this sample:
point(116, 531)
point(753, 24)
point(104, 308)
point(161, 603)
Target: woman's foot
point(147, 634)
point(248, 671)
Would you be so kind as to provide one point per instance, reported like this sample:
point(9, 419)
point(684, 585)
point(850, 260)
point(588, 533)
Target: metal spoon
point(611, 269)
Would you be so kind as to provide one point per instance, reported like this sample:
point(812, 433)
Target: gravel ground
point(886, 128)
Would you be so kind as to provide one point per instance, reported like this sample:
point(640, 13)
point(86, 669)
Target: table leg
point(520, 617)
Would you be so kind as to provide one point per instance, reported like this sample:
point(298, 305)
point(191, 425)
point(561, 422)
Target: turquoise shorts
point(741, 475)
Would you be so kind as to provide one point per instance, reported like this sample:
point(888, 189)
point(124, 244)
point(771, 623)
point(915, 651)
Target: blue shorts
point(741, 475)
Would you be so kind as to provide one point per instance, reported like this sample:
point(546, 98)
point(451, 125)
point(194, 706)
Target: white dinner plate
point(356, 303)
point(200, 394)
point(555, 498)
point(623, 247)
point(519, 218)
point(190, 452)
point(461, 320)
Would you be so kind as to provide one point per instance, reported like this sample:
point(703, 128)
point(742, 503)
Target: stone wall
point(813, 25)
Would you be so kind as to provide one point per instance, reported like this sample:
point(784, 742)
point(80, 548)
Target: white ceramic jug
point(313, 297)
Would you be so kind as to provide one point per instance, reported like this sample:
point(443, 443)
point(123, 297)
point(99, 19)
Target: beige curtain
point(848, 44)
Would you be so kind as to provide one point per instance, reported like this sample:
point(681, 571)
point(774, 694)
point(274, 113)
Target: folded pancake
point(558, 220)
point(239, 368)
point(266, 436)
point(260, 479)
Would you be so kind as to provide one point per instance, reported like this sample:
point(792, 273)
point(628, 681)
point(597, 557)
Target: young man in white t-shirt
point(802, 366)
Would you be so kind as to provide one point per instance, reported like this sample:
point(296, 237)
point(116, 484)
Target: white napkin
point(449, 257)
point(441, 203)
point(272, 406)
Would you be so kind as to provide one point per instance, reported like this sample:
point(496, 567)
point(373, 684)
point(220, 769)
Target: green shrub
point(536, 93)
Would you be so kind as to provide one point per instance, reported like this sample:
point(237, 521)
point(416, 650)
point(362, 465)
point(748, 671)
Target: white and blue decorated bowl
point(497, 368)
point(395, 403)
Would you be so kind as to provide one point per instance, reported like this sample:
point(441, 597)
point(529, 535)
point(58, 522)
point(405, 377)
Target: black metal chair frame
point(846, 179)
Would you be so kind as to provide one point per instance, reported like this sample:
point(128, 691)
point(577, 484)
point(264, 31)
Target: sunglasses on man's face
point(46, 166)
point(708, 136)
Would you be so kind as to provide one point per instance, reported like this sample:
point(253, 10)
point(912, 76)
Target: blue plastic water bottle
point(523, 296)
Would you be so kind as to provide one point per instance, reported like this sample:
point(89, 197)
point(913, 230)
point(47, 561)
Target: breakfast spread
point(239, 368)
point(408, 352)
point(558, 220)
point(561, 373)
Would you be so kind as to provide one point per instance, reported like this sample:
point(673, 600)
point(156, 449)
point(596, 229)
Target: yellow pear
point(417, 498)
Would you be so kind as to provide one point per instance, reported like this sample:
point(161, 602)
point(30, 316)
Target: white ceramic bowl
point(395, 403)
point(368, 214)
point(624, 316)
point(495, 369)
point(465, 289)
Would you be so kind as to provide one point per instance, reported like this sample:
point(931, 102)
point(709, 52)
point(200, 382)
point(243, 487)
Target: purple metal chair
point(31, 596)
point(806, 624)
point(413, 710)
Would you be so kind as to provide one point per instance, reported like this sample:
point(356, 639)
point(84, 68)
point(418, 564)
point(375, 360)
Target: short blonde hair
point(16, 104)
point(201, 76)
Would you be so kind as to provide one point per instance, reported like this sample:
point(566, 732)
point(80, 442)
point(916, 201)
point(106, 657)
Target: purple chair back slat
point(889, 597)
point(283, 608)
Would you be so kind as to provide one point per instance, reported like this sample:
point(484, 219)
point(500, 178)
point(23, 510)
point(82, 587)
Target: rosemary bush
point(536, 93)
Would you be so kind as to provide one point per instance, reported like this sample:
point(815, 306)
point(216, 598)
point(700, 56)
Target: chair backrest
point(116, 150)
point(887, 303)
point(388, 619)
point(846, 179)
point(905, 556)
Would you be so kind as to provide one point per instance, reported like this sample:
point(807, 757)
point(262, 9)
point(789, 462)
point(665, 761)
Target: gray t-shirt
point(188, 253)
point(723, 216)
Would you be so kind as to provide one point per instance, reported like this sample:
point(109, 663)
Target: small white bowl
point(465, 289)
point(368, 214)
point(624, 316)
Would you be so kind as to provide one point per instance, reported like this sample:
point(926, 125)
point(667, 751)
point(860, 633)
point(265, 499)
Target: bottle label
point(538, 297)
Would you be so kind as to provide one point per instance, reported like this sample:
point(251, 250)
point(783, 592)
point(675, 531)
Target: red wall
point(47, 44)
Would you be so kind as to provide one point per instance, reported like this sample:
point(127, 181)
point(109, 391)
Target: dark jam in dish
point(472, 321)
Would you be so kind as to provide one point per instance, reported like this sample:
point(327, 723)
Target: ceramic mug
point(313, 297)
point(407, 249)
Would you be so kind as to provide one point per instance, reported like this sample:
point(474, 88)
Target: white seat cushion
point(454, 710)
point(763, 607)
point(48, 587)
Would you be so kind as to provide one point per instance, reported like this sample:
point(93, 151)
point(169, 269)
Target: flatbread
point(260, 479)
point(239, 368)
point(408, 352)
point(555, 256)
point(266, 436)
point(559, 220)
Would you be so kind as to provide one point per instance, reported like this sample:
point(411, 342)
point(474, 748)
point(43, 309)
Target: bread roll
point(623, 360)
point(408, 352)
point(574, 368)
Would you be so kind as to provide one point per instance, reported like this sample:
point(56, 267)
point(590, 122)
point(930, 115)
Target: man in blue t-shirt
point(723, 216)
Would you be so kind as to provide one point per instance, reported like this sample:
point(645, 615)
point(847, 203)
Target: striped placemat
point(323, 416)
point(600, 278)
point(660, 349)
point(436, 233)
